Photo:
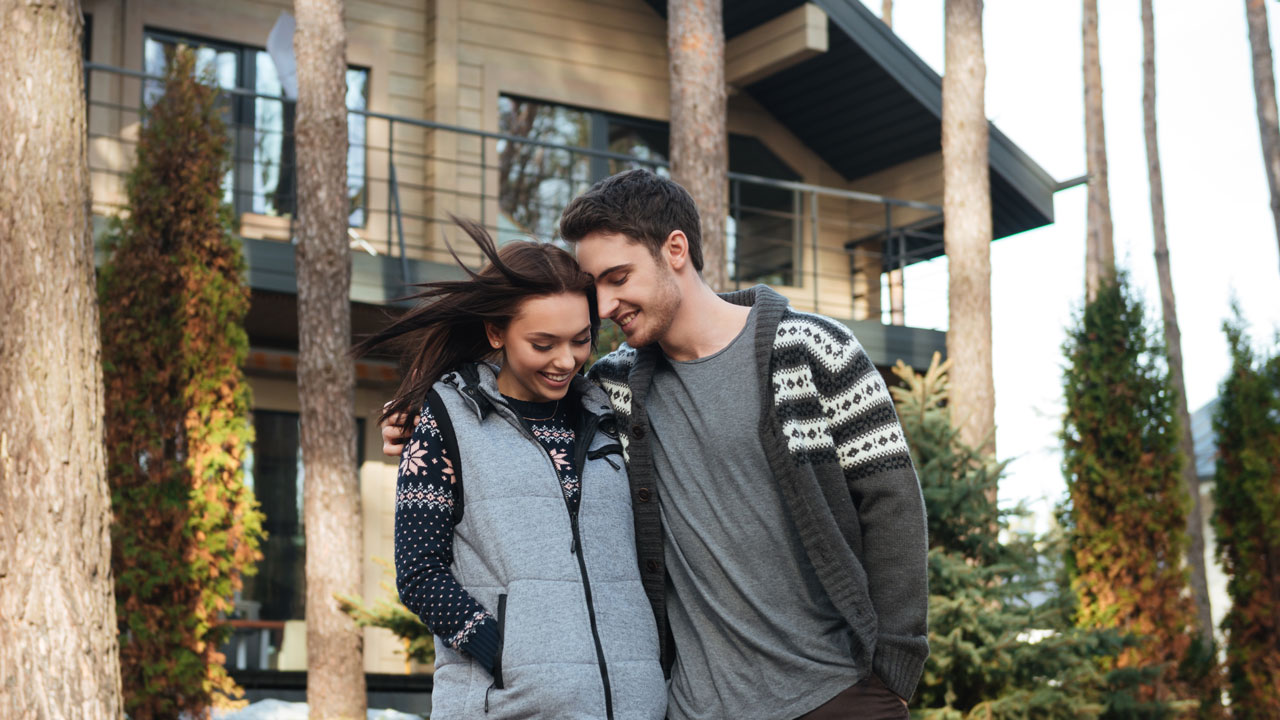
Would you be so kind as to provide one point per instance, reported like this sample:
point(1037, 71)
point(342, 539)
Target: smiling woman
point(537, 447)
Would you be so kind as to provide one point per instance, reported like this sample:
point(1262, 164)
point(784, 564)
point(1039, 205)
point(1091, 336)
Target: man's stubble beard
point(662, 313)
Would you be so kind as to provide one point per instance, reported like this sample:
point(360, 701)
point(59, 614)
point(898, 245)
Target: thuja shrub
point(1128, 507)
point(1246, 519)
point(1002, 643)
point(186, 528)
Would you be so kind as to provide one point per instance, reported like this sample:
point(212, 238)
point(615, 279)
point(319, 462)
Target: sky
point(1221, 235)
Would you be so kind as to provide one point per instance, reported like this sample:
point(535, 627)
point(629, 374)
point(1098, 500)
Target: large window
point(262, 179)
point(277, 593)
point(536, 182)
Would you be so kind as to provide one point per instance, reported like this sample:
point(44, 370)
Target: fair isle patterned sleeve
point(424, 548)
point(610, 373)
point(834, 405)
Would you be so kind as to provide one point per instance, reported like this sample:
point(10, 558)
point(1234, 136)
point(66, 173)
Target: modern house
point(502, 111)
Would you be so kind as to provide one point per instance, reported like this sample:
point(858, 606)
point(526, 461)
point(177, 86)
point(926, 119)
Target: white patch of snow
point(281, 710)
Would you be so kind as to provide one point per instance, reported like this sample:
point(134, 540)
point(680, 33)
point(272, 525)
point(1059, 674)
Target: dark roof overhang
point(869, 103)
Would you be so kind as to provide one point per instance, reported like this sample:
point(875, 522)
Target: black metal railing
point(407, 175)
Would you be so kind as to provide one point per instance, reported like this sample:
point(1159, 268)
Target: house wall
point(389, 37)
point(449, 61)
point(606, 55)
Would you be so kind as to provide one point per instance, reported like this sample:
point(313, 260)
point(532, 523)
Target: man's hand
point(394, 436)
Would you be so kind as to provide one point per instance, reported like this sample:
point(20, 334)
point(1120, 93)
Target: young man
point(779, 522)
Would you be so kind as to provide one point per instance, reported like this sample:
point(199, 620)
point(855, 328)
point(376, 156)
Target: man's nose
point(608, 304)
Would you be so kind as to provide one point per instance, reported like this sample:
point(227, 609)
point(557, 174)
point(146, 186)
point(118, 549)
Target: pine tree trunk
point(59, 656)
point(966, 206)
point(1264, 88)
point(326, 372)
point(897, 305)
point(699, 139)
point(1173, 337)
point(1100, 254)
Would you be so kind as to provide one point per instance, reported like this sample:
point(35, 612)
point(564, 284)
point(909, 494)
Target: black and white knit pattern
point(831, 401)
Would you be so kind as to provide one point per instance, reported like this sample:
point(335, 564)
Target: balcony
point(830, 250)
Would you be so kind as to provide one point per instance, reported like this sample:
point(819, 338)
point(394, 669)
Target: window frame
point(243, 118)
point(599, 123)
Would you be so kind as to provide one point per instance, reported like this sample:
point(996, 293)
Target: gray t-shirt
point(756, 635)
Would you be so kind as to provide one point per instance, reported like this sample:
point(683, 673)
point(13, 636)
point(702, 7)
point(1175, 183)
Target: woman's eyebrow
point(553, 336)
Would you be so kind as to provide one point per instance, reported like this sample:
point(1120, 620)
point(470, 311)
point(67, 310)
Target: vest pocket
point(502, 637)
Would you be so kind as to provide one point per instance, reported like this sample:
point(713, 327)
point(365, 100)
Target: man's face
point(634, 289)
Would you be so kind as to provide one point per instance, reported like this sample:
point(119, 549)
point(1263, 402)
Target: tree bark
point(1173, 337)
point(1100, 254)
point(897, 306)
point(699, 138)
point(1264, 89)
point(326, 371)
point(966, 207)
point(59, 655)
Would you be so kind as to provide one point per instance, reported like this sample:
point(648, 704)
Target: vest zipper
point(583, 442)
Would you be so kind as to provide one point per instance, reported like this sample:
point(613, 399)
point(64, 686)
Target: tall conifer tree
point(1128, 505)
point(173, 303)
point(1247, 521)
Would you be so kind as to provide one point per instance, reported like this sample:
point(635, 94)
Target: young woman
point(515, 545)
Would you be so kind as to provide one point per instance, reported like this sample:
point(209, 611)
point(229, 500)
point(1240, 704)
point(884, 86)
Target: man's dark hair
point(639, 204)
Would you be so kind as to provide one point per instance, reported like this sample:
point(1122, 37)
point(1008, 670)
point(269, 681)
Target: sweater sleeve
point(424, 548)
point(883, 485)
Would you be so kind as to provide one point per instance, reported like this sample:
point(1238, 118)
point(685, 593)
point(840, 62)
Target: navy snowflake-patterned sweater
point(424, 524)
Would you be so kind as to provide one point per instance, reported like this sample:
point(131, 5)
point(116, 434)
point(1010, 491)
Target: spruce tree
point(391, 614)
point(173, 304)
point(1128, 507)
point(1002, 643)
point(1247, 522)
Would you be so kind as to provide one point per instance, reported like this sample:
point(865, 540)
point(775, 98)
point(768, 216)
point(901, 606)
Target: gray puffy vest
point(578, 635)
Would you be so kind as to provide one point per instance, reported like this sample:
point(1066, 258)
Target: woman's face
point(544, 346)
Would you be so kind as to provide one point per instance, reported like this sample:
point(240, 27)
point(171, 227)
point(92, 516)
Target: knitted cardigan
point(839, 456)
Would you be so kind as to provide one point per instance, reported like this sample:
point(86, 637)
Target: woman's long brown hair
point(447, 326)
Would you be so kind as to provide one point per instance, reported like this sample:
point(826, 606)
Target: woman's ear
point(494, 335)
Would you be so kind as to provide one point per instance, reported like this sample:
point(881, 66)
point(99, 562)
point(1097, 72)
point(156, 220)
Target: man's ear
point(676, 250)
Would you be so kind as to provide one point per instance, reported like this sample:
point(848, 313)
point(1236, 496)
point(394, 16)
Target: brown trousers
point(868, 700)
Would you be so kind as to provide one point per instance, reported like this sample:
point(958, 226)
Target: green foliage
point(608, 340)
point(419, 644)
point(173, 303)
point(1002, 643)
point(1127, 517)
point(1246, 519)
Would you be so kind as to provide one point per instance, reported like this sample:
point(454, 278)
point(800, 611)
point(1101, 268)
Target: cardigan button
point(638, 431)
point(651, 566)
point(643, 494)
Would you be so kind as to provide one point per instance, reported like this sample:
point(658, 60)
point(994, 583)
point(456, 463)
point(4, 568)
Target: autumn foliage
point(186, 528)
point(1128, 506)
point(1247, 522)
